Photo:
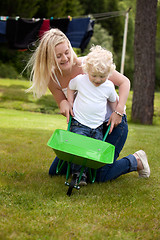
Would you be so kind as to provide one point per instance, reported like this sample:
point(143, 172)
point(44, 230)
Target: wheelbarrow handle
point(105, 136)
point(69, 124)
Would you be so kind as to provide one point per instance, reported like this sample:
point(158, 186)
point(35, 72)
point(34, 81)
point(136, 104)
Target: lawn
point(35, 206)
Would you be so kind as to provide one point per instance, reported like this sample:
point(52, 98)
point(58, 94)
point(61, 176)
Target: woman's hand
point(66, 109)
point(115, 120)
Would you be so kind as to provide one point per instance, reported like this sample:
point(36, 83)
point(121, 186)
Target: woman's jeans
point(110, 171)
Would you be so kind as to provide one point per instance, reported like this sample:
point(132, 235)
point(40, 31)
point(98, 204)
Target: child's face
point(97, 78)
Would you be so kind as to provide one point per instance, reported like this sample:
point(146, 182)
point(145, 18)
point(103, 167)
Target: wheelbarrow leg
point(60, 166)
point(92, 175)
point(68, 173)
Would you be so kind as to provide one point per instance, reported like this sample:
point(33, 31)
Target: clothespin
point(70, 18)
point(4, 18)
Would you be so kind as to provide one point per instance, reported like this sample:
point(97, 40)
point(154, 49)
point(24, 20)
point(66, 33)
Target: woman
point(54, 64)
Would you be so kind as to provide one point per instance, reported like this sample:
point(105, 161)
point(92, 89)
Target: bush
point(7, 71)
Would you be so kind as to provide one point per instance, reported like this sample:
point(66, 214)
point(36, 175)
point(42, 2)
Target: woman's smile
point(63, 55)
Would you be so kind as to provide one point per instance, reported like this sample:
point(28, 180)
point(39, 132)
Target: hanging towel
point(87, 37)
point(77, 30)
point(44, 27)
point(60, 23)
point(22, 33)
point(3, 31)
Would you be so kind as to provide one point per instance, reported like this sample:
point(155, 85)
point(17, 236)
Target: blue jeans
point(119, 167)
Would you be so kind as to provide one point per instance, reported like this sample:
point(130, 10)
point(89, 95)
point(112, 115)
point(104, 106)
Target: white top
point(90, 105)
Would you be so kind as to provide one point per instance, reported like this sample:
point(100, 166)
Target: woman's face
point(63, 55)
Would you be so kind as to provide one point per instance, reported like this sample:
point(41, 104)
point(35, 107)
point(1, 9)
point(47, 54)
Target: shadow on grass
point(18, 99)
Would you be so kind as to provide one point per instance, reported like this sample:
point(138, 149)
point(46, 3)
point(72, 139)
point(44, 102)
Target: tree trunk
point(144, 57)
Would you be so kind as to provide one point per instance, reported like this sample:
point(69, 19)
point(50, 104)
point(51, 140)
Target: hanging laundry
point(3, 31)
point(44, 27)
point(22, 33)
point(78, 30)
point(87, 37)
point(60, 23)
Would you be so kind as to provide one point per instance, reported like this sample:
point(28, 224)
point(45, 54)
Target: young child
point(93, 90)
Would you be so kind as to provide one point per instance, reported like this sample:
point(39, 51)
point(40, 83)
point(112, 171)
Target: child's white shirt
point(90, 104)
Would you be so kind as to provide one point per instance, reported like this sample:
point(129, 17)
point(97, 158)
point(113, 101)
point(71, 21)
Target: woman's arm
point(63, 104)
point(124, 87)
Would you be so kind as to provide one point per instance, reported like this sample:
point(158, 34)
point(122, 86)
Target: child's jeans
point(81, 129)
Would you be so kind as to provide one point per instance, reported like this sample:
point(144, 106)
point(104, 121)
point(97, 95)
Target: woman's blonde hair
point(44, 61)
point(100, 60)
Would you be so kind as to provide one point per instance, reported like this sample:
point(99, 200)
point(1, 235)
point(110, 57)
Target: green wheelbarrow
point(82, 150)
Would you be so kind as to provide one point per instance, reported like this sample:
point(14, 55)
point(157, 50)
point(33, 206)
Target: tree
point(144, 58)
point(158, 48)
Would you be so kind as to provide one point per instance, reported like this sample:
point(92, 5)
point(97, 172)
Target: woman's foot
point(142, 164)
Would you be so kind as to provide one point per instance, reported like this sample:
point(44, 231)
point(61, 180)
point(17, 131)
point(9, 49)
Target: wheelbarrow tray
point(81, 150)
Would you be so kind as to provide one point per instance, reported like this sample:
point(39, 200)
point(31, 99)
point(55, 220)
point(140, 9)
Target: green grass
point(13, 96)
point(34, 206)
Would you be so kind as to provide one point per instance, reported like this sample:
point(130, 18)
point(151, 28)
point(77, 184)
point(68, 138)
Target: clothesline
point(4, 18)
point(95, 16)
point(22, 33)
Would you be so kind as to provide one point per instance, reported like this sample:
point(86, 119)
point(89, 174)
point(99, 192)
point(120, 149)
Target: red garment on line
point(45, 27)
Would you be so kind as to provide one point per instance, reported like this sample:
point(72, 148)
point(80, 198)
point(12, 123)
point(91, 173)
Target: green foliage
point(7, 71)
point(57, 9)
point(100, 37)
point(12, 62)
point(114, 25)
point(22, 8)
point(64, 8)
point(93, 6)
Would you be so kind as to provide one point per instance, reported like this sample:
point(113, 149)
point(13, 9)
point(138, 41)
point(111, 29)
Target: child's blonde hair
point(44, 61)
point(100, 60)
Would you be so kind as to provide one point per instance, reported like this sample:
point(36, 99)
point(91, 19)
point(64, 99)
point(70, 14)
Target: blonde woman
point(53, 64)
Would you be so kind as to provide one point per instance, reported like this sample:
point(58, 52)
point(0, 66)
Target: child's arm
point(70, 96)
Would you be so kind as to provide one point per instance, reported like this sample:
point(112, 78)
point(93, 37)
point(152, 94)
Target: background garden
point(108, 30)
point(34, 206)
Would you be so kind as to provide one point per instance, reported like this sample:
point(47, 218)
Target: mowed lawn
point(35, 206)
